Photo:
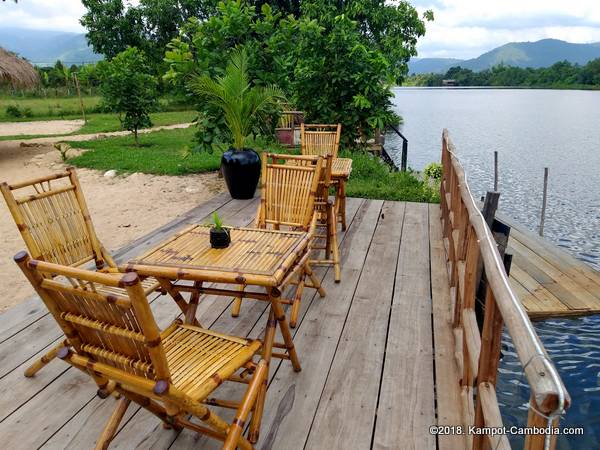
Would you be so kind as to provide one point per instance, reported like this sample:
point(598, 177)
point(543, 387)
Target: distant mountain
point(44, 47)
point(542, 53)
point(432, 65)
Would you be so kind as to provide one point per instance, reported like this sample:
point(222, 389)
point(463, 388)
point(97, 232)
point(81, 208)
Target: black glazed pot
point(241, 170)
point(219, 238)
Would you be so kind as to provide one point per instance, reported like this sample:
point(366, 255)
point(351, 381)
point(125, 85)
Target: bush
point(434, 171)
point(13, 111)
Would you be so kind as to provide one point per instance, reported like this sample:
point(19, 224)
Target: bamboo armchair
point(53, 219)
point(320, 139)
point(170, 373)
point(289, 188)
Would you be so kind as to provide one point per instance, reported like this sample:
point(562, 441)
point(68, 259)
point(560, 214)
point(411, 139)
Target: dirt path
point(123, 208)
point(40, 127)
point(87, 137)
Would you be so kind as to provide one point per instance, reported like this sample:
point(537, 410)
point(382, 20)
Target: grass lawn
point(161, 153)
point(46, 108)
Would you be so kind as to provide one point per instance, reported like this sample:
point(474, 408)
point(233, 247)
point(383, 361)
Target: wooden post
point(544, 199)
point(404, 155)
point(495, 171)
point(538, 441)
point(76, 80)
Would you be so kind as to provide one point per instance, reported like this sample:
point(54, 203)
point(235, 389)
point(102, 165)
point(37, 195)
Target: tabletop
point(341, 167)
point(255, 256)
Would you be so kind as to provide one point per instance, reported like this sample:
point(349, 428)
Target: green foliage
point(371, 178)
point(244, 107)
point(560, 75)
point(433, 171)
point(217, 222)
point(335, 60)
point(16, 112)
point(129, 90)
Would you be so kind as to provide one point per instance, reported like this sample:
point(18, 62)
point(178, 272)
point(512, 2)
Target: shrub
point(13, 111)
point(434, 171)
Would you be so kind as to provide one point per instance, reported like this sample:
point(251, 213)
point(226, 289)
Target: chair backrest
point(54, 221)
point(289, 186)
point(108, 325)
point(320, 140)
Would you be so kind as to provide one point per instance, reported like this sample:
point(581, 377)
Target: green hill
point(537, 54)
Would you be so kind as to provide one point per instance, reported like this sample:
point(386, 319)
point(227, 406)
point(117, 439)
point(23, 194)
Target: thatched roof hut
point(16, 71)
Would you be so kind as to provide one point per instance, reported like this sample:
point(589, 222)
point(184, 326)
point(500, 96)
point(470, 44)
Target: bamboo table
point(267, 259)
point(340, 173)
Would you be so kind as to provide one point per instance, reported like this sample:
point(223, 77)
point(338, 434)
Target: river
point(530, 130)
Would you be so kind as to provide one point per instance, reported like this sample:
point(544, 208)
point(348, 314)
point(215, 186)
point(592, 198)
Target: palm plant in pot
point(245, 108)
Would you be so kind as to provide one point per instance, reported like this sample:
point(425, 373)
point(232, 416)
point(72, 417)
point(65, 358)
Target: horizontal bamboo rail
point(469, 243)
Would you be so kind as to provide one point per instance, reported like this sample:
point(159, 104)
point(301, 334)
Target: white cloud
point(62, 15)
point(467, 28)
point(462, 28)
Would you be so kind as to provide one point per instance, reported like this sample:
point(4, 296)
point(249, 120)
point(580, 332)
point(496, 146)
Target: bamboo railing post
point(538, 441)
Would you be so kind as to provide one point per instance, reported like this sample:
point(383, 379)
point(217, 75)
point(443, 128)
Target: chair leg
point(342, 200)
point(237, 304)
point(334, 245)
point(314, 280)
point(251, 397)
point(112, 425)
point(297, 298)
point(40, 363)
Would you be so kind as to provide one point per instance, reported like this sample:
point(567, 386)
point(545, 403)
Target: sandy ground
point(122, 208)
point(40, 127)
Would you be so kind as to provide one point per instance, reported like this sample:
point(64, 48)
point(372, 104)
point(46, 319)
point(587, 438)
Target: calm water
point(530, 129)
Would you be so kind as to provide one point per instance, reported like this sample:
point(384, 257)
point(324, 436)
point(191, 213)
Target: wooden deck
point(377, 352)
point(549, 281)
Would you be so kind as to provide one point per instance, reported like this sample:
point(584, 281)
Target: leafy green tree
point(129, 90)
point(336, 68)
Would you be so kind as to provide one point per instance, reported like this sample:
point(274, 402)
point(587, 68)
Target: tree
point(112, 25)
point(129, 90)
point(336, 68)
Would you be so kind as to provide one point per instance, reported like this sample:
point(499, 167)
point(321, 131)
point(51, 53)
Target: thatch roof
point(16, 71)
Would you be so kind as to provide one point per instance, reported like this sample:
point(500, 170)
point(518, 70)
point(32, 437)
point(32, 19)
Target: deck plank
point(346, 413)
point(446, 373)
point(406, 407)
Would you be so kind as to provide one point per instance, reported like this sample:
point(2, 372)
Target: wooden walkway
point(377, 352)
point(549, 281)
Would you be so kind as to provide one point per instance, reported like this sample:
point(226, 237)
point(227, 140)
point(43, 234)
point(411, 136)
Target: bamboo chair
point(320, 139)
point(323, 139)
point(170, 373)
point(53, 219)
point(289, 188)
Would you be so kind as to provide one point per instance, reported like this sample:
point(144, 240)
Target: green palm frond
point(244, 106)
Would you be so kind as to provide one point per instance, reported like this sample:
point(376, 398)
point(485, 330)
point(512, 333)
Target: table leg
point(285, 333)
point(183, 305)
point(190, 313)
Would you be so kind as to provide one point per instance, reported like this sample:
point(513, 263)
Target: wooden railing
point(470, 247)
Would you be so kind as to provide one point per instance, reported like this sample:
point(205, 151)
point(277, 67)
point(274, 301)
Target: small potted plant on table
point(245, 108)
point(219, 235)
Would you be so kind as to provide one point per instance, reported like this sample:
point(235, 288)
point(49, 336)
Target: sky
point(462, 28)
